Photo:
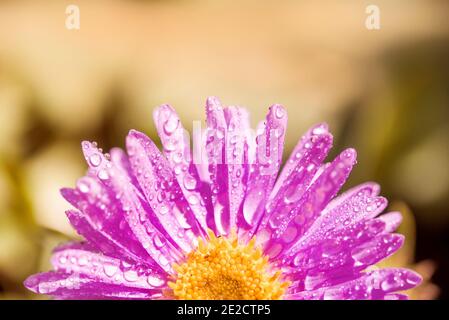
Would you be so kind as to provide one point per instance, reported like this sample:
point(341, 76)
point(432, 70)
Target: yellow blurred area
point(384, 92)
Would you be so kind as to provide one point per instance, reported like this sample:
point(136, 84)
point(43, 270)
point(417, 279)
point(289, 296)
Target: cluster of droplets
point(216, 164)
point(96, 160)
point(264, 168)
point(177, 151)
point(349, 250)
point(294, 180)
point(285, 228)
point(124, 214)
point(107, 269)
point(359, 203)
point(161, 189)
point(377, 284)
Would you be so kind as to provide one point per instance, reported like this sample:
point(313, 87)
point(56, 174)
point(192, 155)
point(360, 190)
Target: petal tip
point(350, 155)
point(32, 283)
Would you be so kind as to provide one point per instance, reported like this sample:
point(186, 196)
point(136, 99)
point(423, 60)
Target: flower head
point(216, 221)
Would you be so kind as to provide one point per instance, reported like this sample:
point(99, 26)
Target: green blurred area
point(384, 92)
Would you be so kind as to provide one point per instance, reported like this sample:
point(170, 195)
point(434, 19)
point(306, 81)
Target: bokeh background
point(384, 92)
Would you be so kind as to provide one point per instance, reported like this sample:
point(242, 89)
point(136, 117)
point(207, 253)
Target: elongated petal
point(108, 270)
point(157, 243)
point(102, 219)
point(301, 167)
point(264, 169)
point(373, 285)
point(131, 212)
point(169, 208)
point(74, 286)
point(216, 164)
point(102, 240)
point(177, 150)
point(295, 178)
point(343, 253)
point(354, 205)
point(237, 159)
point(286, 229)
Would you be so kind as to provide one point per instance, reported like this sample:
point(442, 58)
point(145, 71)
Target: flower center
point(221, 269)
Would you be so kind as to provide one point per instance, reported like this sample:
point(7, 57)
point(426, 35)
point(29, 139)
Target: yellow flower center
point(221, 269)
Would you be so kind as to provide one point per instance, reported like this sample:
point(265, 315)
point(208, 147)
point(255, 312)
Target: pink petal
point(169, 208)
point(237, 159)
point(101, 240)
point(285, 229)
point(301, 166)
point(263, 169)
point(217, 167)
point(105, 269)
point(77, 286)
point(176, 145)
point(354, 205)
point(372, 285)
point(295, 179)
point(157, 244)
point(129, 217)
point(342, 253)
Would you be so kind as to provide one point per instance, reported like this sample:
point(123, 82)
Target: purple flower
point(219, 223)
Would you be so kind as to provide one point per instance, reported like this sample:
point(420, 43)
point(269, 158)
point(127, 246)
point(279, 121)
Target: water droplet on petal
point(131, 275)
point(103, 174)
point(171, 125)
point(155, 281)
point(252, 202)
point(193, 199)
point(163, 209)
point(62, 260)
point(95, 160)
point(279, 112)
point(110, 270)
point(82, 261)
point(83, 186)
point(319, 130)
point(189, 182)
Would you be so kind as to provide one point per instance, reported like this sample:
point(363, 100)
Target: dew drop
point(319, 130)
point(193, 199)
point(95, 160)
point(110, 270)
point(62, 260)
point(252, 202)
point(131, 275)
point(279, 112)
point(163, 209)
point(155, 281)
point(171, 125)
point(83, 186)
point(158, 242)
point(177, 157)
point(82, 261)
point(189, 182)
point(103, 174)
point(388, 284)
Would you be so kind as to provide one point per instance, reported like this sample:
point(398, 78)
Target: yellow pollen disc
point(221, 269)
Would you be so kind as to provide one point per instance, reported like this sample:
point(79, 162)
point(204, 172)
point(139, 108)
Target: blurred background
point(384, 92)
